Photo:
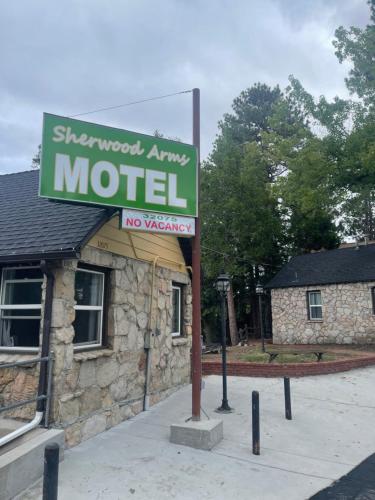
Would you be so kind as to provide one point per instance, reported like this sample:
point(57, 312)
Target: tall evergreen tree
point(357, 46)
point(249, 211)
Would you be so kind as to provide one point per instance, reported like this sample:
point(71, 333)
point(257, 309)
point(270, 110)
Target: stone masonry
point(347, 315)
point(96, 389)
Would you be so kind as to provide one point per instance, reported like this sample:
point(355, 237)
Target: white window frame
point(4, 307)
point(311, 306)
point(179, 288)
point(85, 345)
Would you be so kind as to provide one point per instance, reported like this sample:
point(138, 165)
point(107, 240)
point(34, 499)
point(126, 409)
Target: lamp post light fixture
point(259, 290)
point(222, 285)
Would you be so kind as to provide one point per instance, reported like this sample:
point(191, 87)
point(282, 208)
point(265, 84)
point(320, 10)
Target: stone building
point(119, 305)
point(325, 297)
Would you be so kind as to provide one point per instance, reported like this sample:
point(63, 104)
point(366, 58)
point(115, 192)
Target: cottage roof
point(343, 265)
point(34, 228)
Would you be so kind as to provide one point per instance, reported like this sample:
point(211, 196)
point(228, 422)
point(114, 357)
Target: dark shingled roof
point(34, 228)
point(343, 265)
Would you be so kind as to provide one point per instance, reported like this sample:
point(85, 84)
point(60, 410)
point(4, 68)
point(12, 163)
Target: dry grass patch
point(253, 353)
point(257, 356)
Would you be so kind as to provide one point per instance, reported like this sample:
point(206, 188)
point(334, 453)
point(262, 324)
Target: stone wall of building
point(18, 384)
point(95, 390)
point(347, 315)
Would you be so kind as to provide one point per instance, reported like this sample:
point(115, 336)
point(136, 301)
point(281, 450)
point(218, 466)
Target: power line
point(237, 259)
point(215, 251)
point(156, 98)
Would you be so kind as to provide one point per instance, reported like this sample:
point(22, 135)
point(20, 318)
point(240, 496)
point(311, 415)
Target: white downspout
point(149, 339)
point(22, 430)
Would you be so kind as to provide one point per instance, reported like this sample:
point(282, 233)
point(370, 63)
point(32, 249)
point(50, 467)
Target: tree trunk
point(233, 331)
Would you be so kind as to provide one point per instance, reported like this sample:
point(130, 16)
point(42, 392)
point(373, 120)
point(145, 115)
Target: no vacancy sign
point(89, 163)
point(157, 223)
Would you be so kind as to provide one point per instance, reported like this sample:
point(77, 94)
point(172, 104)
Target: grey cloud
point(72, 56)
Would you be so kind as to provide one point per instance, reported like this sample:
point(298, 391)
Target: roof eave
point(300, 285)
point(27, 257)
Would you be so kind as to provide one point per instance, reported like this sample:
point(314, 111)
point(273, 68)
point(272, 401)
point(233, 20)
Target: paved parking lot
point(332, 431)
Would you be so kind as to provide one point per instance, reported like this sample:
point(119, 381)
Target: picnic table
point(211, 348)
point(274, 351)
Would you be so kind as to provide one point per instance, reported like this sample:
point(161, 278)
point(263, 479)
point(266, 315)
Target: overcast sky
point(74, 56)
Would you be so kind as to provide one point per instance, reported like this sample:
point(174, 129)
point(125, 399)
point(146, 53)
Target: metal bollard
point(51, 471)
point(288, 406)
point(255, 422)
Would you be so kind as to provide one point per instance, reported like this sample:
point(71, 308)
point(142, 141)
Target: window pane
point(315, 299)
point(87, 325)
point(23, 273)
point(88, 288)
point(22, 293)
point(20, 312)
point(316, 312)
point(176, 310)
point(19, 332)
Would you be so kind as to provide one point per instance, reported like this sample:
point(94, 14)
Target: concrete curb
point(23, 464)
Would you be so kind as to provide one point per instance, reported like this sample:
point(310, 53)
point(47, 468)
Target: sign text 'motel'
point(90, 163)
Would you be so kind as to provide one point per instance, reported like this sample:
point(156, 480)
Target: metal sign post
point(88, 163)
point(196, 355)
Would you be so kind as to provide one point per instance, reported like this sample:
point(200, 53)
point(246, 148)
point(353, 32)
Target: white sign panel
point(157, 223)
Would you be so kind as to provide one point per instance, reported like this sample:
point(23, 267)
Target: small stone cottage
point(325, 297)
point(114, 307)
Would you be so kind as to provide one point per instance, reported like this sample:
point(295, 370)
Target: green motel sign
point(89, 163)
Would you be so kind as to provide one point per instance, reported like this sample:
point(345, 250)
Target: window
point(176, 311)
point(20, 308)
point(314, 303)
point(89, 295)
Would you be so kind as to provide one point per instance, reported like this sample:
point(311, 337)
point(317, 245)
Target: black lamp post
point(222, 285)
point(259, 290)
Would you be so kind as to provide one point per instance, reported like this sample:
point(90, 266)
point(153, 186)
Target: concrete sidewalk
point(332, 431)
